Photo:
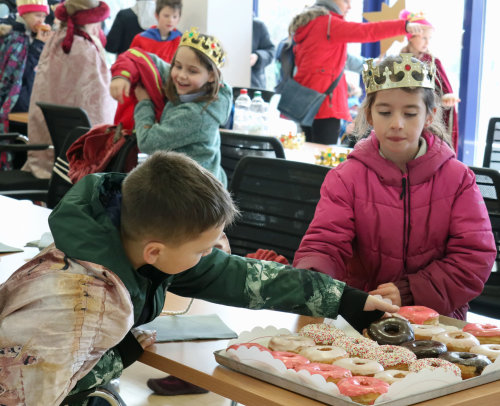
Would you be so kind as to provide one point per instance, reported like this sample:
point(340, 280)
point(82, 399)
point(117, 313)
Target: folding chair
point(492, 151)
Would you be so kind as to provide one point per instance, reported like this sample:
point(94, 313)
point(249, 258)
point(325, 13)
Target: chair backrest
point(61, 120)
point(277, 199)
point(126, 158)
point(266, 94)
point(492, 150)
point(235, 146)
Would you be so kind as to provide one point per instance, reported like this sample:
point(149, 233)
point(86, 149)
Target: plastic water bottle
point(258, 114)
point(241, 121)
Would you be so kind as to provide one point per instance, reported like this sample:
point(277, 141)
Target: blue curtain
point(371, 49)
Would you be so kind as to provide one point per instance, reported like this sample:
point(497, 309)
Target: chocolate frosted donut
point(391, 331)
point(470, 364)
point(425, 348)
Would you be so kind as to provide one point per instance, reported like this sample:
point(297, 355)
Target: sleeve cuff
point(351, 307)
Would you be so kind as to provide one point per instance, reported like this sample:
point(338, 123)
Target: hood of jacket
point(305, 17)
point(220, 109)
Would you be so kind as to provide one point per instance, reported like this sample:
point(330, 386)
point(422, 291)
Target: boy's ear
point(157, 16)
point(152, 250)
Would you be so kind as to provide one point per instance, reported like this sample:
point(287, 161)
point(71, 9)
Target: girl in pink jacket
point(402, 217)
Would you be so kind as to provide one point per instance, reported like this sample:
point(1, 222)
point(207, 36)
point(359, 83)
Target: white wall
point(231, 22)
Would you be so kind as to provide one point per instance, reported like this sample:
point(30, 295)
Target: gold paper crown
point(209, 46)
point(374, 81)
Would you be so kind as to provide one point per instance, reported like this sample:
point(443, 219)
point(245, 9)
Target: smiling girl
point(402, 217)
point(198, 101)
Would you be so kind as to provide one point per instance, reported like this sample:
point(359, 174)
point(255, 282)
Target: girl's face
point(34, 19)
point(420, 43)
point(167, 20)
point(189, 75)
point(398, 118)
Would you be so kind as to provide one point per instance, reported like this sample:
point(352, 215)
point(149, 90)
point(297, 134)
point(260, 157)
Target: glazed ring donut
point(433, 363)
point(362, 389)
point(395, 357)
point(419, 314)
point(360, 366)
point(331, 373)
point(485, 333)
point(290, 343)
point(321, 333)
point(426, 331)
point(425, 348)
point(391, 331)
point(457, 340)
point(492, 351)
point(391, 375)
point(290, 359)
point(470, 364)
point(323, 353)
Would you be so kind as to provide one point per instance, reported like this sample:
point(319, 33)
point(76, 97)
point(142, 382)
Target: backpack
point(286, 59)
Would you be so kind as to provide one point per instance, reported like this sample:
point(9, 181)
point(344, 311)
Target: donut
point(356, 346)
point(43, 27)
point(321, 333)
point(485, 333)
point(394, 357)
point(290, 343)
point(248, 345)
point(391, 331)
point(434, 363)
point(362, 389)
point(360, 366)
point(425, 348)
point(290, 359)
point(426, 331)
point(419, 314)
point(470, 364)
point(492, 351)
point(323, 353)
point(331, 373)
point(391, 375)
point(457, 340)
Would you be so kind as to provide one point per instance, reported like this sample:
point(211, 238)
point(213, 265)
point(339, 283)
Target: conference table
point(194, 361)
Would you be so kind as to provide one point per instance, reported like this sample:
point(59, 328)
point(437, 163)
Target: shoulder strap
point(336, 81)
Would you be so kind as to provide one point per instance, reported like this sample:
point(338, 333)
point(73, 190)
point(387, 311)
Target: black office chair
point(488, 181)
point(492, 150)
point(266, 94)
point(235, 146)
point(277, 199)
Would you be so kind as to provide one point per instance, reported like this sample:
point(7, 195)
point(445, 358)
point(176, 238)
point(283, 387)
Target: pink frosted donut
point(391, 375)
point(433, 363)
point(290, 359)
point(290, 343)
point(395, 357)
point(419, 314)
point(331, 373)
point(323, 353)
point(362, 389)
point(492, 351)
point(321, 333)
point(360, 366)
point(248, 345)
point(457, 340)
point(485, 333)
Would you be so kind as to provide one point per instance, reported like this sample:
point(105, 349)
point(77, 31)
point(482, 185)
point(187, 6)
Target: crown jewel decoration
point(374, 81)
point(209, 46)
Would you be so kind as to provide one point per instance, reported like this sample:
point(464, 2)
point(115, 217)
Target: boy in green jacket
point(67, 317)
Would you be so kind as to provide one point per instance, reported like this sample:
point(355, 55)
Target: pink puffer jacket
point(433, 237)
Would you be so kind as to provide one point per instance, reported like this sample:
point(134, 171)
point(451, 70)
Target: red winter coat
point(435, 238)
point(319, 61)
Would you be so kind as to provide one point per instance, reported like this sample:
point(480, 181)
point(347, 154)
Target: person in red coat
point(321, 36)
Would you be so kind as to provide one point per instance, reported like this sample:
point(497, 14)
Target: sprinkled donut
point(391, 331)
point(321, 333)
point(470, 364)
point(290, 359)
point(248, 345)
point(457, 340)
point(356, 346)
point(485, 333)
point(426, 331)
point(323, 353)
point(360, 366)
point(290, 343)
point(492, 351)
point(391, 375)
point(331, 373)
point(395, 357)
point(433, 363)
point(419, 314)
point(425, 348)
point(362, 389)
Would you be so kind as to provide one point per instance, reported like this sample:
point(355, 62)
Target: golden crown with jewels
point(210, 46)
point(374, 81)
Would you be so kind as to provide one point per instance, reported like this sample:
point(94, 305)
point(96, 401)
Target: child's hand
point(141, 93)
point(119, 86)
point(377, 303)
point(43, 32)
point(449, 100)
point(145, 337)
point(388, 291)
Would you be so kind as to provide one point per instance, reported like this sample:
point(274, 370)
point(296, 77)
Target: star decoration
point(387, 13)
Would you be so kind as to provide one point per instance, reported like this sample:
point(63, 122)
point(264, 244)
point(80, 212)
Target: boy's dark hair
point(172, 198)
point(175, 4)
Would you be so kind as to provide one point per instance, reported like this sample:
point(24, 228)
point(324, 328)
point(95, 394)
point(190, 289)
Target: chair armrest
point(11, 136)
point(23, 147)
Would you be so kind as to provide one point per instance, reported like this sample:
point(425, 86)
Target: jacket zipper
point(405, 196)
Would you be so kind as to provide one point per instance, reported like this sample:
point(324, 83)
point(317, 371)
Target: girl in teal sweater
point(199, 102)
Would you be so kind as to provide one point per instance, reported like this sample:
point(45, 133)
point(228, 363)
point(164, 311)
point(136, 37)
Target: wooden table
point(19, 117)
